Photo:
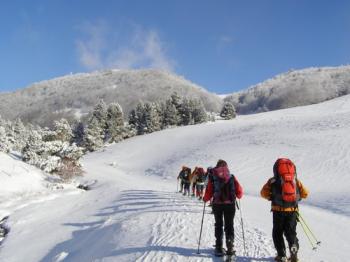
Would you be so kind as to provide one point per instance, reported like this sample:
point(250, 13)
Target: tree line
point(58, 150)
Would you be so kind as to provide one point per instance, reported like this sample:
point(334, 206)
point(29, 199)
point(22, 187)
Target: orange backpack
point(285, 192)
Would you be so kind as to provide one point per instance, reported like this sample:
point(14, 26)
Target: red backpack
point(285, 191)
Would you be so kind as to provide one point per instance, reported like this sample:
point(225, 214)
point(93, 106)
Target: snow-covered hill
point(293, 88)
point(74, 95)
point(134, 213)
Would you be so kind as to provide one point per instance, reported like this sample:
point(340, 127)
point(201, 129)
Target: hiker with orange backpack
point(223, 187)
point(284, 191)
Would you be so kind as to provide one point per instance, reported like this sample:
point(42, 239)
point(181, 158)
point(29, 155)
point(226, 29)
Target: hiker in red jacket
point(223, 187)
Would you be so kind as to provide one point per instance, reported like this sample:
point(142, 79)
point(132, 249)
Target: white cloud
point(137, 48)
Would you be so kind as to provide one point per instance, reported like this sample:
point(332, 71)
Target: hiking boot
point(230, 250)
point(294, 254)
point(281, 259)
point(219, 252)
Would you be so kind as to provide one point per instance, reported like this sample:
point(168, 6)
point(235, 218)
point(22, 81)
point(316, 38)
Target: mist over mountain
point(293, 88)
point(73, 96)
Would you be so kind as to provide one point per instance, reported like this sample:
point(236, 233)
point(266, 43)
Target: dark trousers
point(284, 223)
point(224, 212)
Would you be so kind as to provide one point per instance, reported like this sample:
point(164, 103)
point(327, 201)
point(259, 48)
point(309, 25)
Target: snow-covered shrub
point(228, 111)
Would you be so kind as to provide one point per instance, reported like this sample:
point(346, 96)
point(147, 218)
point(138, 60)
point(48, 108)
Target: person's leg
point(291, 234)
point(229, 214)
point(218, 215)
point(277, 233)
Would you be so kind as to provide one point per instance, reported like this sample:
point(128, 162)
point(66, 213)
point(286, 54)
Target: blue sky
point(222, 45)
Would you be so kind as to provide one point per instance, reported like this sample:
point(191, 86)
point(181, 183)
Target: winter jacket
point(209, 191)
point(266, 192)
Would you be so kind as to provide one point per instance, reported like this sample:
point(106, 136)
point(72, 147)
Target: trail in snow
point(134, 214)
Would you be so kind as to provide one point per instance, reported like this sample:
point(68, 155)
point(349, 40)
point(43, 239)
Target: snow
point(133, 212)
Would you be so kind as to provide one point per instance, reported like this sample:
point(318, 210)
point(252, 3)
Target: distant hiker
point(201, 177)
point(184, 176)
point(284, 191)
point(223, 187)
point(193, 179)
point(181, 178)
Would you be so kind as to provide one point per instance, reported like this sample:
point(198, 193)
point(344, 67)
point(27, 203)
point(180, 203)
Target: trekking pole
point(200, 233)
point(240, 211)
point(308, 237)
point(308, 228)
point(177, 185)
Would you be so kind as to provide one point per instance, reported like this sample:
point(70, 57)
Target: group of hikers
point(284, 190)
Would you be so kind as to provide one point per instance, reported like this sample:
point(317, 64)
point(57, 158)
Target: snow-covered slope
point(134, 213)
point(293, 88)
point(75, 95)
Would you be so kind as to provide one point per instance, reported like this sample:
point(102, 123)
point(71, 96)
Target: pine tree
point(136, 119)
point(93, 137)
point(115, 123)
point(63, 130)
point(20, 135)
point(176, 100)
point(151, 120)
point(228, 111)
point(100, 114)
point(4, 143)
point(171, 114)
point(198, 111)
point(186, 113)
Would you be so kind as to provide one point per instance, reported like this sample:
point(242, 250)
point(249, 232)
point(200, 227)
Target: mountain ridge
point(76, 94)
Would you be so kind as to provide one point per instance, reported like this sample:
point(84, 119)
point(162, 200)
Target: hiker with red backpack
point(223, 188)
point(284, 191)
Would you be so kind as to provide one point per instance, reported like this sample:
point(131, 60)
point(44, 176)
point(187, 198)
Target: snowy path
point(134, 213)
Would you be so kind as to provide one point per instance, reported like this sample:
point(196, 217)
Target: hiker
point(193, 179)
point(223, 187)
point(184, 178)
point(284, 191)
point(200, 183)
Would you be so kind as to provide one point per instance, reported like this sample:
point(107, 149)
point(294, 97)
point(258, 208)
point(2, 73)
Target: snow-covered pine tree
point(33, 151)
point(198, 111)
point(136, 119)
point(176, 100)
point(151, 118)
point(63, 130)
point(4, 142)
point(93, 136)
point(171, 114)
point(228, 111)
point(100, 114)
point(20, 135)
point(115, 123)
point(186, 112)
